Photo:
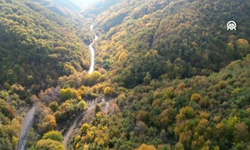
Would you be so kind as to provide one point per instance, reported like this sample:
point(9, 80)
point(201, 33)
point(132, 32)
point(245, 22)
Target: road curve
point(92, 53)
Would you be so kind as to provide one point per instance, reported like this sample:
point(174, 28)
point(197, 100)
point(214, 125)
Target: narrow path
point(75, 124)
point(67, 136)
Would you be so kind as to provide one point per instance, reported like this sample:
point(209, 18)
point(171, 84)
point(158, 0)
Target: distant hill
point(49, 4)
point(95, 8)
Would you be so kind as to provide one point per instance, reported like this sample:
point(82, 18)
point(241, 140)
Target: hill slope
point(155, 76)
point(190, 38)
point(196, 113)
point(36, 44)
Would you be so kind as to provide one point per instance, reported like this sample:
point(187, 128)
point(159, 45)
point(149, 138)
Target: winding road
point(92, 53)
point(78, 119)
point(27, 123)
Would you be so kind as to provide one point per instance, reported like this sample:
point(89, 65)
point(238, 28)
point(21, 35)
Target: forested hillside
point(176, 39)
point(37, 46)
point(168, 76)
point(196, 113)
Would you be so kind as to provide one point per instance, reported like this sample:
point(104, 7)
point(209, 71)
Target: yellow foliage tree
point(106, 90)
point(53, 135)
point(84, 128)
point(242, 46)
point(94, 76)
point(146, 147)
point(195, 97)
point(82, 105)
point(49, 145)
point(122, 57)
point(66, 94)
point(185, 113)
point(48, 123)
point(69, 69)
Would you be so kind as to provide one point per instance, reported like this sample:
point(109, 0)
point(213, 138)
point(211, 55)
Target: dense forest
point(168, 76)
point(189, 38)
point(36, 45)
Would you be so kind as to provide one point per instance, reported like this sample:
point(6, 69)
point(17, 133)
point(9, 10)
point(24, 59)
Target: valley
point(161, 74)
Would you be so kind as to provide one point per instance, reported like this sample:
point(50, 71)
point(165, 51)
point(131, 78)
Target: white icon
point(231, 25)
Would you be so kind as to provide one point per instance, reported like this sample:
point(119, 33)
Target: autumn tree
point(146, 147)
point(66, 94)
point(147, 78)
point(49, 145)
point(94, 76)
point(196, 97)
point(242, 47)
point(53, 135)
point(54, 106)
point(143, 116)
point(48, 123)
point(84, 128)
point(106, 91)
point(82, 105)
point(122, 57)
point(241, 132)
point(69, 69)
point(185, 113)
